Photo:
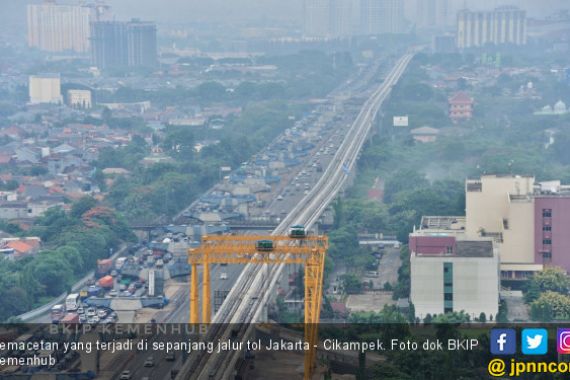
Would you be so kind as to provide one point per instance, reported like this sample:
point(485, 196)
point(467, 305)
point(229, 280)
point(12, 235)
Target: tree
point(52, 272)
point(351, 283)
point(82, 205)
point(552, 279)
point(550, 306)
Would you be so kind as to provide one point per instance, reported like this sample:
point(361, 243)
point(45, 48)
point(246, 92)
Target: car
point(91, 312)
point(80, 310)
point(125, 375)
point(101, 313)
point(113, 293)
point(280, 198)
point(223, 276)
point(82, 318)
point(149, 362)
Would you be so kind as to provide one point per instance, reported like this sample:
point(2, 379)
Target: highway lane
point(245, 303)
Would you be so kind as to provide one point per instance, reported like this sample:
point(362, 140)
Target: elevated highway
point(246, 302)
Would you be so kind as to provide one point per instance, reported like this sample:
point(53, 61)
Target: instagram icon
point(563, 341)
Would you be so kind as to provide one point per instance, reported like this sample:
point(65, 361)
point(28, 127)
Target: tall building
point(382, 16)
point(116, 44)
point(341, 17)
point(59, 28)
point(45, 88)
point(317, 18)
point(504, 25)
point(432, 13)
point(141, 44)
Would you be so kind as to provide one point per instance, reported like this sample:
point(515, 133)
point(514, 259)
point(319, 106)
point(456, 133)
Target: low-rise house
point(424, 134)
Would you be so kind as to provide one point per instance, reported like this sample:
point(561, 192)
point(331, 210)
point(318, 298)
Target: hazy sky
point(12, 14)
point(281, 9)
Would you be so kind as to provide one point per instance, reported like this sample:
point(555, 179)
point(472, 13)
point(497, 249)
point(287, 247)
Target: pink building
point(552, 230)
point(460, 107)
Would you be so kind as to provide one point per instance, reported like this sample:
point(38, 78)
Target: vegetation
point(156, 192)
point(73, 242)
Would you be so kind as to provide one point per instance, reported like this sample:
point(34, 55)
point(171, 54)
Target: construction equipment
point(243, 249)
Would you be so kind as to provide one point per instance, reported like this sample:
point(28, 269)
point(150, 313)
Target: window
point(547, 228)
point(546, 213)
point(449, 251)
point(547, 255)
point(448, 287)
point(546, 241)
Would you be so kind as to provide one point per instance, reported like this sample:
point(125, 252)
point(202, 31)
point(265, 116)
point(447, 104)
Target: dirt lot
point(369, 301)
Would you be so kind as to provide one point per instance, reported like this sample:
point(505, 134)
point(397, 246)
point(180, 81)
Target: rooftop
point(443, 222)
point(474, 248)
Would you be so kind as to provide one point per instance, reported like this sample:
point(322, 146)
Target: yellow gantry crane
point(297, 248)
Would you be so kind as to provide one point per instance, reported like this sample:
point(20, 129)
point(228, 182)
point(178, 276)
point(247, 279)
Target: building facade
point(381, 16)
point(432, 13)
point(317, 17)
point(118, 44)
point(79, 98)
point(59, 28)
point(460, 107)
point(451, 273)
point(505, 25)
point(529, 220)
point(45, 88)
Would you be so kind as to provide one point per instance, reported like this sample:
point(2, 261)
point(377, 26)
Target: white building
point(45, 88)
point(452, 273)
point(79, 98)
point(59, 28)
point(504, 25)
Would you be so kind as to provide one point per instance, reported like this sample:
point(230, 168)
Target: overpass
point(245, 303)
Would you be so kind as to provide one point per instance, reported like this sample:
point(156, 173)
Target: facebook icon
point(503, 341)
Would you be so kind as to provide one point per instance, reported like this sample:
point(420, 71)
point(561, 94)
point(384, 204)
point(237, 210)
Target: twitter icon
point(534, 341)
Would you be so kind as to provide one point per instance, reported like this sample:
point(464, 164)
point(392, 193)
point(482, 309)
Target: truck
point(70, 318)
point(120, 262)
point(106, 282)
point(57, 313)
point(72, 302)
point(104, 267)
